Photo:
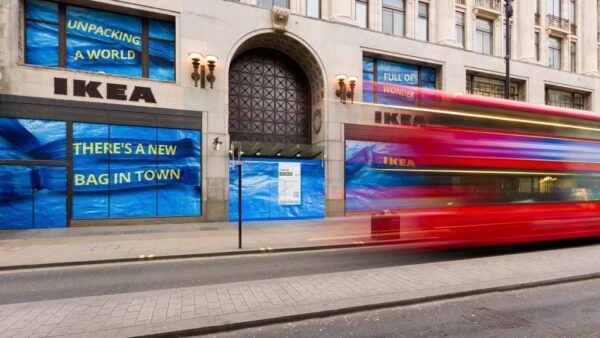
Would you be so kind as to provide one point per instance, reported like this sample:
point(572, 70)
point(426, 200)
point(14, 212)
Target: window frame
point(478, 32)
point(423, 18)
point(557, 52)
point(567, 98)
point(308, 2)
point(573, 55)
point(63, 37)
point(514, 88)
point(394, 10)
point(364, 3)
point(460, 26)
point(272, 4)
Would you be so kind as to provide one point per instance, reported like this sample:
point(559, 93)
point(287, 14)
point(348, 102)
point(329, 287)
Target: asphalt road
point(565, 310)
point(78, 281)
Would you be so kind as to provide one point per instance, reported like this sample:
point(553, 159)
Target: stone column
point(445, 21)
point(341, 11)
point(524, 32)
point(588, 32)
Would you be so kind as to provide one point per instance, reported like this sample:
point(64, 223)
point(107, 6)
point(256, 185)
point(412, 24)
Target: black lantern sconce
point(199, 74)
point(343, 92)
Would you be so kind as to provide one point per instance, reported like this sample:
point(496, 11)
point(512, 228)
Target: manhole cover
point(495, 319)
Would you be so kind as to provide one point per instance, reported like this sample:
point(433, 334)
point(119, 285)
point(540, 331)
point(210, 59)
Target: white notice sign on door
point(289, 188)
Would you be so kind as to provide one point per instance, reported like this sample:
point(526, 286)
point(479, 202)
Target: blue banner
point(260, 199)
point(391, 83)
point(99, 41)
point(127, 171)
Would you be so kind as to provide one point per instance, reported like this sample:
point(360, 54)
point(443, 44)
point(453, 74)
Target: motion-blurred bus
point(477, 171)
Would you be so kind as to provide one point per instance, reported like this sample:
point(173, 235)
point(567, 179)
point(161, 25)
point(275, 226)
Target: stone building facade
point(300, 45)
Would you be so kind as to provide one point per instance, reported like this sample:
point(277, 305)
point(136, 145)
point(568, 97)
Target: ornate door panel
point(269, 98)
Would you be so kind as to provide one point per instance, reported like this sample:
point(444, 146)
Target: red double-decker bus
point(478, 171)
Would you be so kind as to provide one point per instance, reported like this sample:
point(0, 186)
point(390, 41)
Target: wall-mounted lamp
point(217, 144)
point(201, 76)
point(343, 93)
point(212, 61)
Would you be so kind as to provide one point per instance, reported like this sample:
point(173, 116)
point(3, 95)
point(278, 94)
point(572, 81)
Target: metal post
point(239, 168)
point(508, 14)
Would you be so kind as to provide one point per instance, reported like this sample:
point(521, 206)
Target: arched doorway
point(269, 98)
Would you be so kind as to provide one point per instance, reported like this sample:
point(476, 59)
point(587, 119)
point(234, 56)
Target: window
point(60, 35)
point(491, 87)
point(565, 99)
point(423, 29)
point(573, 53)
point(390, 82)
point(537, 46)
point(393, 17)
point(137, 171)
point(313, 8)
point(271, 3)
point(362, 13)
point(554, 50)
point(484, 36)
point(573, 12)
point(553, 7)
point(460, 29)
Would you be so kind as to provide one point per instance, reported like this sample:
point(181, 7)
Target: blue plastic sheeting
point(386, 81)
point(369, 189)
point(44, 52)
point(32, 197)
point(25, 139)
point(260, 191)
point(99, 41)
point(128, 171)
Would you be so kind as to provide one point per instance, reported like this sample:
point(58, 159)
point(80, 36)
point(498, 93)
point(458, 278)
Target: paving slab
point(210, 308)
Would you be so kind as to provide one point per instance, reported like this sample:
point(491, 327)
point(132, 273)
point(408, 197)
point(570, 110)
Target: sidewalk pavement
point(203, 309)
point(51, 247)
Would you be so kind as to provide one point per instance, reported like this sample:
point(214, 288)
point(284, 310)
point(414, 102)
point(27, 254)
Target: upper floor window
point(537, 47)
point(554, 52)
point(491, 87)
point(393, 17)
point(271, 3)
point(565, 99)
point(423, 30)
point(78, 38)
point(362, 13)
point(484, 36)
point(313, 8)
point(459, 28)
point(573, 55)
point(573, 12)
point(553, 7)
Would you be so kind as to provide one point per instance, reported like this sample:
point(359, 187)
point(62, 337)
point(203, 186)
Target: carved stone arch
point(250, 114)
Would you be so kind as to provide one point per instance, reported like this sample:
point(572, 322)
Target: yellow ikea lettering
point(91, 179)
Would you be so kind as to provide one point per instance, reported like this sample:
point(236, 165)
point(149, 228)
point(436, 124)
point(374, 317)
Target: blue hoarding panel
point(100, 41)
point(370, 189)
point(41, 10)
point(133, 176)
point(50, 198)
point(42, 44)
point(90, 170)
point(185, 160)
point(389, 82)
point(142, 171)
point(162, 30)
point(162, 59)
point(260, 191)
point(16, 198)
point(26, 139)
